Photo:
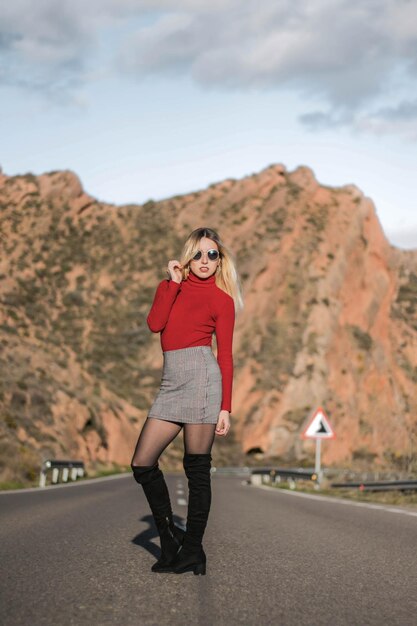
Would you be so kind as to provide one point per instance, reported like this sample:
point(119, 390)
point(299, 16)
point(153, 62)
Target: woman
point(199, 298)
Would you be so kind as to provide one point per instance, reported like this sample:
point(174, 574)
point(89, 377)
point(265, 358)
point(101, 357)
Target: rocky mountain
point(330, 319)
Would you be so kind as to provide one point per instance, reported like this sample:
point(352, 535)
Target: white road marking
point(180, 493)
point(335, 500)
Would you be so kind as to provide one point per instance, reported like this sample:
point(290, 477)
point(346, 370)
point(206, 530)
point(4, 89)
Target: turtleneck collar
point(196, 280)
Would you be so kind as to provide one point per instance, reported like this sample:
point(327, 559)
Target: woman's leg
point(155, 436)
point(198, 441)
point(198, 438)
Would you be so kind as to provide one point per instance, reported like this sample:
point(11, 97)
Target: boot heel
point(199, 569)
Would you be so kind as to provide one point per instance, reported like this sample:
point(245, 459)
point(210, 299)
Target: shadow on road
point(145, 538)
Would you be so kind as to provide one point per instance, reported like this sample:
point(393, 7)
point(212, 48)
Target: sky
point(146, 99)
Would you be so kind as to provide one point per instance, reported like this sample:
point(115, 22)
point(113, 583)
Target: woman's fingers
point(174, 264)
point(222, 427)
point(174, 269)
point(219, 427)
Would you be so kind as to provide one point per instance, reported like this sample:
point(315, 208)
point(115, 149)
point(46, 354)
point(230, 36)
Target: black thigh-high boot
point(191, 555)
point(156, 491)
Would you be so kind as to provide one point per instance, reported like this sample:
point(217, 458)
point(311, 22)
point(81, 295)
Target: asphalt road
point(81, 555)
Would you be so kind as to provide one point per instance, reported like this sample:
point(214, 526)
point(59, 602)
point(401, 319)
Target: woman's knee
point(144, 474)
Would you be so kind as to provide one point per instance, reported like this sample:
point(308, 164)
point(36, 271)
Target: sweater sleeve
point(165, 295)
point(225, 322)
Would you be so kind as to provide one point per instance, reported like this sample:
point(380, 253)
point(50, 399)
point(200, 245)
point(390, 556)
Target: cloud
point(400, 119)
point(319, 120)
point(353, 63)
point(340, 51)
point(404, 111)
point(405, 237)
point(42, 46)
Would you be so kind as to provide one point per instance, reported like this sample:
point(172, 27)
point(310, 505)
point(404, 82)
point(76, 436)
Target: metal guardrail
point(231, 471)
point(276, 474)
point(386, 485)
point(260, 475)
point(61, 469)
point(280, 471)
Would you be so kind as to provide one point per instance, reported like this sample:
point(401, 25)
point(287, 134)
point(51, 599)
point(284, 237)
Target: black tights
point(157, 434)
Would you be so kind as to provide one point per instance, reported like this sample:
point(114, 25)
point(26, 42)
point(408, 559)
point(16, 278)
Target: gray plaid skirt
point(191, 387)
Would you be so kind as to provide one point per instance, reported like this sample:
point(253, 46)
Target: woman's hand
point(223, 423)
point(174, 270)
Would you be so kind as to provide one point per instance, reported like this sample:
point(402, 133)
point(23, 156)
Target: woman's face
point(203, 268)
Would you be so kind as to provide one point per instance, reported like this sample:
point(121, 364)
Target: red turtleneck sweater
point(187, 313)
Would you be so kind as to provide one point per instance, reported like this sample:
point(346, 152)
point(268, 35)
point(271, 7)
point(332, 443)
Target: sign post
point(318, 428)
point(317, 466)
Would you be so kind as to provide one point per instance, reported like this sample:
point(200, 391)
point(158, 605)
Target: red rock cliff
point(330, 319)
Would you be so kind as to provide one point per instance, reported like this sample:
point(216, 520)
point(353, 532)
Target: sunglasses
point(212, 255)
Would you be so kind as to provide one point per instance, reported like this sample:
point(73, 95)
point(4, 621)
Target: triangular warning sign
point(318, 427)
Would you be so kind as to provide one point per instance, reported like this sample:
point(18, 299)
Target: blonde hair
point(227, 277)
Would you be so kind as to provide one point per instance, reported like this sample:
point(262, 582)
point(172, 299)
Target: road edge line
point(336, 500)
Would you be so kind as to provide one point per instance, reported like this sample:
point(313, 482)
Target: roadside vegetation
point(398, 498)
